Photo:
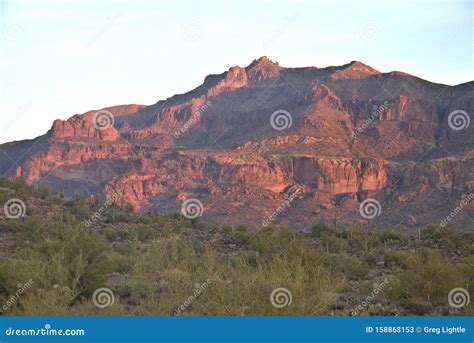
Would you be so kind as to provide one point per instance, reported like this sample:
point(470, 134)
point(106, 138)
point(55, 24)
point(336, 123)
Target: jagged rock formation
point(355, 133)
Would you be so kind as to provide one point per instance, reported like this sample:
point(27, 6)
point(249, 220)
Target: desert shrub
point(142, 219)
point(43, 192)
point(3, 182)
point(357, 239)
point(227, 229)
point(115, 215)
point(389, 234)
point(53, 200)
point(129, 208)
point(158, 220)
point(173, 268)
point(313, 288)
point(318, 229)
point(73, 262)
point(4, 196)
point(332, 242)
point(241, 234)
point(80, 209)
point(446, 236)
point(32, 229)
point(20, 186)
point(368, 258)
point(373, 241)
point(427, 280)
point(154, 264)
point(30, 210)
point(118, 233)
point(399, 258)
point(349, 266)
point(118, 263)
point(146, 233)
point(268, 241)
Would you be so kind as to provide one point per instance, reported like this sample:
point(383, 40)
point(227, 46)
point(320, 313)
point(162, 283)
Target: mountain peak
point(263, 68)
point(262, 61)
point(354, 70)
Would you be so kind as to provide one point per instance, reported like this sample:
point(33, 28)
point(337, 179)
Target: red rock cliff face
point(82, 128)
point(350, 133)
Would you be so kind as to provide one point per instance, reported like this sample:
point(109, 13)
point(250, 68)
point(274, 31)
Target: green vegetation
point(157, 265)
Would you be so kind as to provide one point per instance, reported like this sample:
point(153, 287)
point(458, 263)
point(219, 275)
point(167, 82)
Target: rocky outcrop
point(79, 127)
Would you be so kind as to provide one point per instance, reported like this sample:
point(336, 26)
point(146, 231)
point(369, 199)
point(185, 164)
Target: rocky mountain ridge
point(247, 139)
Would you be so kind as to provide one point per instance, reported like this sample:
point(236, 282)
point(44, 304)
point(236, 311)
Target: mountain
point(269, 145)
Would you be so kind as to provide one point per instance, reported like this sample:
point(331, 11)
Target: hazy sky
point(59, 58)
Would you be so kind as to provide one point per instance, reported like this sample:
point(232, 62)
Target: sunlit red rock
point(355, 133)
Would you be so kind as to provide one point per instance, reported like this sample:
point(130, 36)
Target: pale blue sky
point(61, 57)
